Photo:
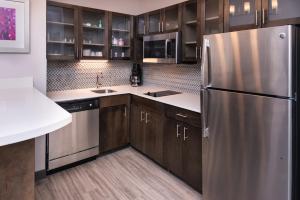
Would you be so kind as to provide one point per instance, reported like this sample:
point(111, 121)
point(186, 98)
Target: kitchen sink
point(103, 91)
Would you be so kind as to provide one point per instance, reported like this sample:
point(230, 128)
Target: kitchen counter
point(25, 113)
point(184, 100)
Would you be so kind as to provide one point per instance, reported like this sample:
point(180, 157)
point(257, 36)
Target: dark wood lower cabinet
point(173, 147)
point(153, 131)
point(183, 150)
point(114, 122)
point(136, 128)
point(192, 156)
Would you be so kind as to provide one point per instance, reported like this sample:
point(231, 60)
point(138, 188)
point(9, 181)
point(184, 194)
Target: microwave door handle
point(168, 41)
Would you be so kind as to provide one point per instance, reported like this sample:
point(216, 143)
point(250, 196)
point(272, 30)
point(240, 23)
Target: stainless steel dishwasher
point(78, 140)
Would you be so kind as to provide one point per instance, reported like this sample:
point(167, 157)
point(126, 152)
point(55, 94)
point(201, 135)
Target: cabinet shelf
point(60, 42)
point(93, 27)
point(191, 22)
point(124, 46)
point(60, 23)
point(93, 44)
point(212, 18)
point(191, 43)
point(120, 30)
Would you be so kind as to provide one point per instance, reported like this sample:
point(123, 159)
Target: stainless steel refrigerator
point(250, 114)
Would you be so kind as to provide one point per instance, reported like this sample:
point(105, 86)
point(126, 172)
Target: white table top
point(184, 100)
point(25, 113)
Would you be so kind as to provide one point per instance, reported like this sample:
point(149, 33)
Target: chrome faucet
point(98, 84)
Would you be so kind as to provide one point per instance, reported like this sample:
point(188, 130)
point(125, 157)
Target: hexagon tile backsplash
point(77, 75)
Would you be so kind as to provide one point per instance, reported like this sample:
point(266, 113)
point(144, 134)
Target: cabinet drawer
point(183, 115)
point(149, 104)
point(114, 100)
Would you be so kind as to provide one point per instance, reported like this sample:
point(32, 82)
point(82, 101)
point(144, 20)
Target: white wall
point(33, 64)
point(132, 7)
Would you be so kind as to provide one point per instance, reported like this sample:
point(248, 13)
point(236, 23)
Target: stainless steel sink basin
point(103, 91)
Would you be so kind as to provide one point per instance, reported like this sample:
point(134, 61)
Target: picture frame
point(14, 26)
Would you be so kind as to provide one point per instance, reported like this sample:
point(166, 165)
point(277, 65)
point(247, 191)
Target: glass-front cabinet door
point(62, 38)
point(171, 19)
point(121, 36)
point(154, 22)
point(280, 12)
point(242, 14)
point(141, 25)
point(93, 31)
point(213, 18)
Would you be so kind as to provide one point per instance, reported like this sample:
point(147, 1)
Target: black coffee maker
point(136, 75)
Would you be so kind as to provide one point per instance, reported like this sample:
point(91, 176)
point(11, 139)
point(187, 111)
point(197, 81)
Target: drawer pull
point(177, 132)
point(147, 121)
point(181, 115)
point(142, 114)
point(184, 134)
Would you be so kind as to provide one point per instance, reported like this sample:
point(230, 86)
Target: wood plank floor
point(124, 175)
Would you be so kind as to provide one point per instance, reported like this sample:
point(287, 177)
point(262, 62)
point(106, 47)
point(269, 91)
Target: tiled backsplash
point(77, 75)
point(184, 78)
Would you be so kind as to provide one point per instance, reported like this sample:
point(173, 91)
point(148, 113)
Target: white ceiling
point(132, 7)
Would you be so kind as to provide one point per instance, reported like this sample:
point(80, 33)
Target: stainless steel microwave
point(162, 48)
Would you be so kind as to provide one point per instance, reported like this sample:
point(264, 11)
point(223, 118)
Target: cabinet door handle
point(158, 26)
point(200, 52)
point(147, 121)
point(181, 115)
point(263, 16)
point(144, 29)
point(177, 130)
point(142, 114)
point(162, 27)
point(196, 53)
point(125, 111)
point(184, 134)
point(256, 17)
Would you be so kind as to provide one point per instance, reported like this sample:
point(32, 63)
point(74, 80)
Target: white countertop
point(184, 100)
point(25, 113)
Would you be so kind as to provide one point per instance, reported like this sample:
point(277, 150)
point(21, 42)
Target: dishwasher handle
point(82, 105)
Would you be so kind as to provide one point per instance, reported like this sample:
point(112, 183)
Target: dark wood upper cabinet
point(171, 18)
point(155, 22)
point(213, 17)
point(121, 36)
point(191, 31)
point(114, 122)
point(280, 12)
point(62, 32)
point(239, 15)
point(93, 33)
point(141, 22)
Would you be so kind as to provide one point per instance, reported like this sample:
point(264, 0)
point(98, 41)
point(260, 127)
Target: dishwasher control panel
point(81, 105)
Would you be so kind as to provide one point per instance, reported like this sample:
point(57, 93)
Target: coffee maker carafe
point(136, 75)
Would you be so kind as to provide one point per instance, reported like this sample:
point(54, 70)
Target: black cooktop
point(162, 93)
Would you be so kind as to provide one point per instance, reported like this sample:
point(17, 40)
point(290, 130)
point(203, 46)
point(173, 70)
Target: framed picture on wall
point(14, 26)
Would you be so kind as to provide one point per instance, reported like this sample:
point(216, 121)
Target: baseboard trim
point(40, 175)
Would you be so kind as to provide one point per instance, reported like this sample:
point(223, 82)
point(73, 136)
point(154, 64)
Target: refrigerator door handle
point(205, 99)
point(205, 63)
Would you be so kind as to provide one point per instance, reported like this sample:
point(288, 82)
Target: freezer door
point(246, 146)
point(256, 61)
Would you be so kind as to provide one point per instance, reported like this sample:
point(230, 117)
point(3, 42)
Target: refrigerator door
point(256, 61)
point(246, 147)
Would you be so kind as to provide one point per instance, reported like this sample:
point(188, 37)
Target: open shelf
point(191, 43)
point(124, 46)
